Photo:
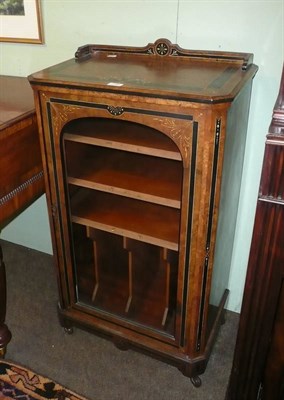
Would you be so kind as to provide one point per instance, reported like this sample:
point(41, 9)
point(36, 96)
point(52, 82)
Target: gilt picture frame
point(21, 21)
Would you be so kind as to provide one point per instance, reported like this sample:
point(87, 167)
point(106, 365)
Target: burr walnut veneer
point(133, 146)
point(21, 180)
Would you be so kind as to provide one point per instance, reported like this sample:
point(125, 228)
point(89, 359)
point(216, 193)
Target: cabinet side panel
point(230, 190)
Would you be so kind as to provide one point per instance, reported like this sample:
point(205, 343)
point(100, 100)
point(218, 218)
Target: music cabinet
point(134, 141)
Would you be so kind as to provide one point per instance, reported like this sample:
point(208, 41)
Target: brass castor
point(196, 381)
point(68, 330)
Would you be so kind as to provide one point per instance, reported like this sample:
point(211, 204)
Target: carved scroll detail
point(176, 132)
point(62, 114)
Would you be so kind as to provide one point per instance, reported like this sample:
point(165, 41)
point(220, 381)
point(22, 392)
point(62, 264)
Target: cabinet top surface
point(16, 99)
point(192, 75)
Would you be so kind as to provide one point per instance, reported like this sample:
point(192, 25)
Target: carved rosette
point(162, 49)
point(116, 111)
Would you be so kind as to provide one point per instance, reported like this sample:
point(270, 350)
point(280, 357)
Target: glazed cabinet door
point(121, 192)
point(124, 211)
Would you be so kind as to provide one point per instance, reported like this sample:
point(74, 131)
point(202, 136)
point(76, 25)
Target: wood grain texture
point(133, 143)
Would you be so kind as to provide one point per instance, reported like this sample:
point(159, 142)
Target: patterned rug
point(20, 383)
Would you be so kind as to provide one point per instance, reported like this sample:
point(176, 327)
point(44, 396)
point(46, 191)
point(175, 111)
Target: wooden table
point(21, 175)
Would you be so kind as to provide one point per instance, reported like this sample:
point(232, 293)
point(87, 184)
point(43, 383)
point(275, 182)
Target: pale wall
point(249, 26)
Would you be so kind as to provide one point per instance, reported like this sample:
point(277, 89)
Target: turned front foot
point(66, 324)
point(5, 337)
point(2, 352)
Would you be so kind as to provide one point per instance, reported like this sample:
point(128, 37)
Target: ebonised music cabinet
point(134, 141)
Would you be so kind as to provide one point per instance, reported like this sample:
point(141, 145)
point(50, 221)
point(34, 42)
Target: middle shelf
point(143, 221)
point(138, 176)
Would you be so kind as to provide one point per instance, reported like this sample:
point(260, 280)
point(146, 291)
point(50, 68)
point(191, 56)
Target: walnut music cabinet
point(134, 141)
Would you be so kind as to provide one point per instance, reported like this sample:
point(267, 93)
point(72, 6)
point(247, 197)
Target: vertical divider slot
point(90, 234)
point(167, 265)
point(130, 275)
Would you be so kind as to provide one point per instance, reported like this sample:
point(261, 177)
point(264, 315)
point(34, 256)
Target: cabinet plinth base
point(189, 367)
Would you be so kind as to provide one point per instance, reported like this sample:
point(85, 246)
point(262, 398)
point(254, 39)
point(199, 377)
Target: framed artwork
point(20, 21)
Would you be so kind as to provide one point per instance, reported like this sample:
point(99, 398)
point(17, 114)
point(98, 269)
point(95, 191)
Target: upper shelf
point(159, 70)
point(150, 179)
point(122, 135)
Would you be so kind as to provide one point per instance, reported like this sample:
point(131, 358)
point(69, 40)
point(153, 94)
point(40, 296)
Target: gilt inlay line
point(62, 114)
point(177, 134)
point(209, 231)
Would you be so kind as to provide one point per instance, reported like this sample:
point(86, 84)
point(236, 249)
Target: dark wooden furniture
point(133, 147)
point(21, 180)
point(258, 367)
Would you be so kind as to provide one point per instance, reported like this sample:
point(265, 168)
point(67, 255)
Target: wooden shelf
point(122, 135)
point(141, 177)
point(146, 222)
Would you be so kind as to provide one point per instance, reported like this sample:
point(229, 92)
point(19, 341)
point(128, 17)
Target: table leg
point(5, 334)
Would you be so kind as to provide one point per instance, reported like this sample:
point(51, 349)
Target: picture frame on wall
point(21, 21)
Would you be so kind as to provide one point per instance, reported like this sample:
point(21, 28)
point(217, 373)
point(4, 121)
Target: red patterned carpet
point(20, 383)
